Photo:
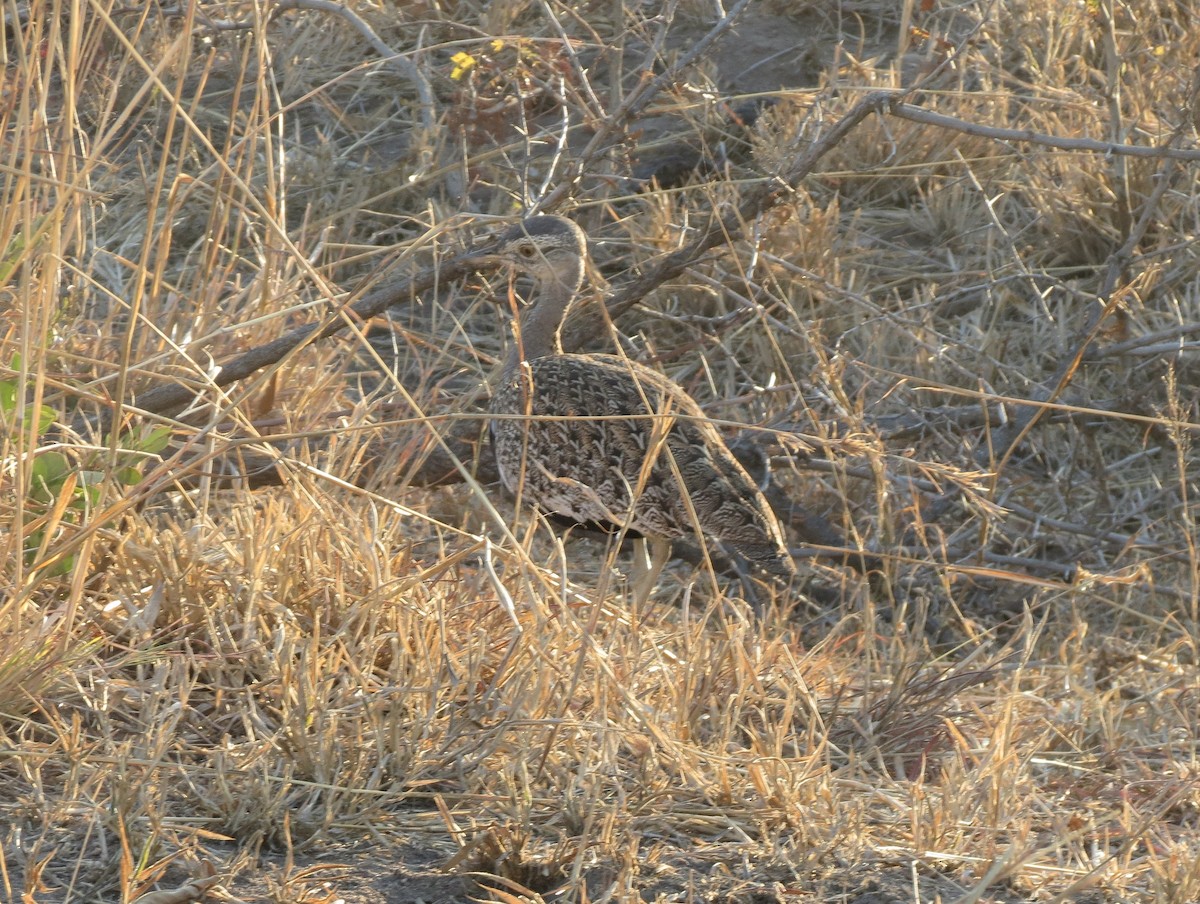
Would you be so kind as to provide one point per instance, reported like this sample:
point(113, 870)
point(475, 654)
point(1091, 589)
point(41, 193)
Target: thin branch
point(917, 485)
point(1028, 136)
point(1156, 343)
point(172, 398)
point(1008, 439)
point(401, 64)
point(398, 62)
point(728, 229)
point(636, 101)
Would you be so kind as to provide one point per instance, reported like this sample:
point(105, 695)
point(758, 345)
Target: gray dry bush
point(272, 653)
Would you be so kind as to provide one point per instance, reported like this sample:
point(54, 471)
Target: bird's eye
point(526, 251)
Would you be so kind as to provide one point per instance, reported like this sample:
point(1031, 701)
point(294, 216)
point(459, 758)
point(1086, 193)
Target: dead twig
point(398, 62)
point(1007, 509)
point(394, 60)
point(1029, 136)
point(1158, 343)
point(172, 398)
point(634, 102)
point(1009, 438)
point(731, 227)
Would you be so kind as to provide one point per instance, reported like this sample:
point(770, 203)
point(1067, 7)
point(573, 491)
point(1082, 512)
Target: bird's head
point(550, 249)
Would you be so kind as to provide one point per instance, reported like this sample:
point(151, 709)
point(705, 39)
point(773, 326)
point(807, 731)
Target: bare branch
point(1009, 438)
point(1028, 136)
point(398, 62)
point(636, 101)
point(171, 398)
point(730, 228)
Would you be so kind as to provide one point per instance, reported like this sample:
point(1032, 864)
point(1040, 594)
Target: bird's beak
point(486, 258)
point(482, 258)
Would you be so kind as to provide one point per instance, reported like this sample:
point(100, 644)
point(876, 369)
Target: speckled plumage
point(598, 438)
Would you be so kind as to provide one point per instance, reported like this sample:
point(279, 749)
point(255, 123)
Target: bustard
point(602, 439)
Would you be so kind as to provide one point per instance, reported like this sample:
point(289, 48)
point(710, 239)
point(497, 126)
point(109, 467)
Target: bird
point(602, 440)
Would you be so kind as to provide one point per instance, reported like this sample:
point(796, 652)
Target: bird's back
point(598, 438)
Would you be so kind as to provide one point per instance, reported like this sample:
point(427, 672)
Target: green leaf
point(63, 566)
point(33, 543)
point(12, 258)
point(154, 440)
point(90, 483)
point(46, 417)
point(9, 394)
point(51, 469)
point(129, 477)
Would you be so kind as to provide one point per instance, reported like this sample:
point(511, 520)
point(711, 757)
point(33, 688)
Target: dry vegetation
point(979, 357)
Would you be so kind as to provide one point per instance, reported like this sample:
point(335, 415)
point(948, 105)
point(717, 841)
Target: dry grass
point(356, 687)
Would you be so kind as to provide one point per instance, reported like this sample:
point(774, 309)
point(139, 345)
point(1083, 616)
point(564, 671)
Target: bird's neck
point(536, 330)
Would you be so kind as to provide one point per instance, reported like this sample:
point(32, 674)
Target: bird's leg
point(650, 555)
point(750, 589)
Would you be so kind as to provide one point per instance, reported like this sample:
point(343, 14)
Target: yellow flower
point(463, 63)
